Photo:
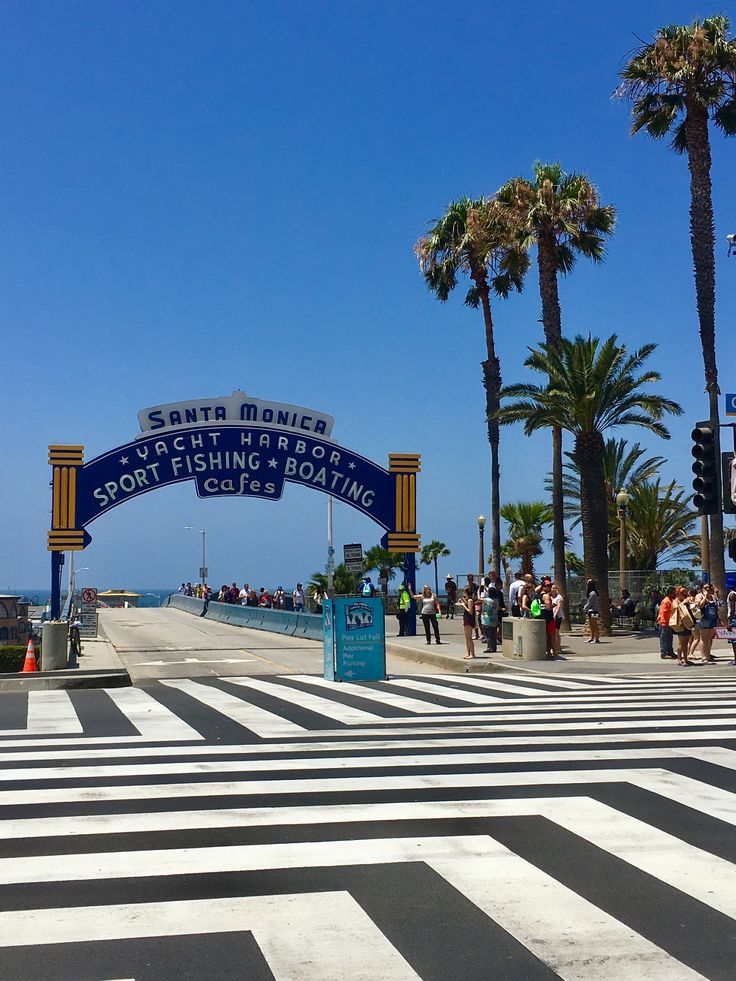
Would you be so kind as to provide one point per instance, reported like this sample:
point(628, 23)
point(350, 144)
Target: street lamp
point(203, 569)
point(481, 550)
point(622, 503)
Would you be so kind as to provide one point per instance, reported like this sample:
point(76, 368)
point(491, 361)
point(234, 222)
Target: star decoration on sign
point(123, 460)
point(273, 463)
point(351, 466)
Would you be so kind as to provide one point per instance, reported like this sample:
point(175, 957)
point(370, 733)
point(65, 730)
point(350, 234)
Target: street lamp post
point(481, 549)
point(622, 504)
point(203, 569)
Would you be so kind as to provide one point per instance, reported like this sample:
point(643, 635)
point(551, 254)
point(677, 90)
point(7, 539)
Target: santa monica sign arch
point(236, 446)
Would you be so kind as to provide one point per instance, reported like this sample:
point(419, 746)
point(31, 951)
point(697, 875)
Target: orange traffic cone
point(30, 662)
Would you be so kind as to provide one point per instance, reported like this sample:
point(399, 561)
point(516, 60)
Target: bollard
point(53, 647)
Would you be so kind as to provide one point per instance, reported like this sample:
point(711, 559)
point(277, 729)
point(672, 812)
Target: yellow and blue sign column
point(64, 535)
point(404, 538)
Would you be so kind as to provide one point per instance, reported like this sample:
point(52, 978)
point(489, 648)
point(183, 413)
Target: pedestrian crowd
point(248, 596)
point(483, 608)
point(690, 615)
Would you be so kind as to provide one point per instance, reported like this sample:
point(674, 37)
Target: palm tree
point(563, 216)
point(591, 387)
point(472, 239)
point(678, 83)
point(660, 527)
point(430, 553)
point(526, 519)
point(574, 564)
point(344, 582)
point(385, 563)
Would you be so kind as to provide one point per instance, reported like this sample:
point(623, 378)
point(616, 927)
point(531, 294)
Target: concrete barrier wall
point(307, 625)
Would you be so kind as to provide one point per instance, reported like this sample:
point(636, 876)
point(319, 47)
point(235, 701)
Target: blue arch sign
point(235, 446)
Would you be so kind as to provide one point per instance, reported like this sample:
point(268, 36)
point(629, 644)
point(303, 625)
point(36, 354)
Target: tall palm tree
point(661, 525)
point(430, 553)
point(563, 216)
point(678, 83)
point(526, 519)
point(591, 387)
point(473, 239)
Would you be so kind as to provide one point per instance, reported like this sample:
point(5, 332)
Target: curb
point(47, 680)
point(445, 661)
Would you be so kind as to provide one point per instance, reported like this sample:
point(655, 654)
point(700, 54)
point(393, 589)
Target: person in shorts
point(593, 610)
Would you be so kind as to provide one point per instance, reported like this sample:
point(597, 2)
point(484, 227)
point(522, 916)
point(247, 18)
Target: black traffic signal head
point(732, 549)
point(706, 498)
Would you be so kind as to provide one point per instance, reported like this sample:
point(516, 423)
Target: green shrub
point(12, 657)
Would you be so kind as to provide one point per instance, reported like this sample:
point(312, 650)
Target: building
point(118, 597)
point(14, 623)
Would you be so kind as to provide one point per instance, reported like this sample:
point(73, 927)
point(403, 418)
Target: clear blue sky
point(201, 197)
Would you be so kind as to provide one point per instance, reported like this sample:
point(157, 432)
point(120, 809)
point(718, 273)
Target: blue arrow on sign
point(731, 405)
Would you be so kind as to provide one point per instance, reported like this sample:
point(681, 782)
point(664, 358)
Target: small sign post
point(353, 558)
point(203, 573)
point(88, 613)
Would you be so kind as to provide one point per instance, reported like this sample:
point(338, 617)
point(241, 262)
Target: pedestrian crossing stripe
point(568, 832)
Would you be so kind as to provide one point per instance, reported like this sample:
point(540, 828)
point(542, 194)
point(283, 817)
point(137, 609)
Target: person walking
point(489, 615)
point(708, 622)
point(451, 591)
point(682, 624)
point(468, 604)
point(593, 609)
point(428, 611)
point(402, 611)
point(664, 612)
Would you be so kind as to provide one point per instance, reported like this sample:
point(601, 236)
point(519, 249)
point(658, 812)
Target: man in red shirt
point(663, 622)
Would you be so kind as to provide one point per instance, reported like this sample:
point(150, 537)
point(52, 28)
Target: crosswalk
point(435, 826)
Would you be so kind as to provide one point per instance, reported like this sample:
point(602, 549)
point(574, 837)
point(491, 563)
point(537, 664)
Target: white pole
point(204, 555)
point(330, 551)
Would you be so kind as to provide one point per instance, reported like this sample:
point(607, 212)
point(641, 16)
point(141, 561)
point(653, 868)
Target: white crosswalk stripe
point(444, 825)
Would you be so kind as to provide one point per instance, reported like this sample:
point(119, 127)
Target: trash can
point(528, 640)
point(53, 648)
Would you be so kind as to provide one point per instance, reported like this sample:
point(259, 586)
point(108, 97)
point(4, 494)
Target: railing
point(307, 625)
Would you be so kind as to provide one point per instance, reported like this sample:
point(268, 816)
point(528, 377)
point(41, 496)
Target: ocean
point(39, 597)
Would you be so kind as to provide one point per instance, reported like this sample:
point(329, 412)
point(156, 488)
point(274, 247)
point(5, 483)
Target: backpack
point(367, 589)
point(536, 608)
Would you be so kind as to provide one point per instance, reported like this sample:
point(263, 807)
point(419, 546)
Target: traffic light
point(728, 483)
point(732, 549)
point(705, 468)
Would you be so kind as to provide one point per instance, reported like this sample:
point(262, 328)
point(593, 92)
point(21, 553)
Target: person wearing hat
point(402, 610)
point(451, 591)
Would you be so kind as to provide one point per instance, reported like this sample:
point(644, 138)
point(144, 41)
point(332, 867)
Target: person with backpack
point(367, 588)
point(682, 623)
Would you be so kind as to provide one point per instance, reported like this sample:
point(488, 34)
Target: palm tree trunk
point(436, 580)
point(552, 321)
point(492, 384)
point(702, 241)
point(589, 449)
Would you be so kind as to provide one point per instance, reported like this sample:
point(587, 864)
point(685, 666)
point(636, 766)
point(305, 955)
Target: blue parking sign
point(354, 639)
point(731, 404)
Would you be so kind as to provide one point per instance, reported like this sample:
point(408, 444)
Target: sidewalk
point(99, 667)
point(624, 653)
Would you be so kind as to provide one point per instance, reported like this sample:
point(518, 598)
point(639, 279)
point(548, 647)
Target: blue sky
point(201, 197)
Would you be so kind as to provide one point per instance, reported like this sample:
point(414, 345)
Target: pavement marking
point(692, 793)
point(152, 719)
point(576, 939)
point(258, 720)
point(322, 706)
point(387, 698)
point(699, 796)
point(297, 934)
point(48, 712)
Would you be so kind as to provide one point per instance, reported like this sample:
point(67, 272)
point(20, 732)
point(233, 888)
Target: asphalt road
point(168, 643)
